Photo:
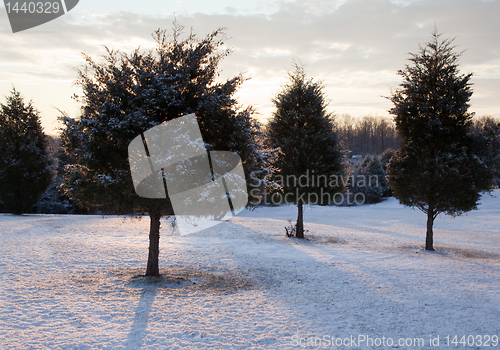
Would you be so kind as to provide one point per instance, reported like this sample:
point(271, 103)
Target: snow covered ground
point(72, 282)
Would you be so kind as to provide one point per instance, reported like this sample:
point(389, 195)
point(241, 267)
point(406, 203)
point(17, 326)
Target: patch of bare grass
point(318, 239)
point(468, 253)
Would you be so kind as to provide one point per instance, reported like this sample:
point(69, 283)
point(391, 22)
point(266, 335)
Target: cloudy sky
point(354, 46)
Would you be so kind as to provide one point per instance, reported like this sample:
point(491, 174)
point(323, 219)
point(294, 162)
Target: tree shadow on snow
point(150, 287)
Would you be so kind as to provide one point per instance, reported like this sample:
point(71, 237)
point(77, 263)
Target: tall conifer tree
point(303, 130)
point(26, 169)
point(435, 169)
point(129, 94)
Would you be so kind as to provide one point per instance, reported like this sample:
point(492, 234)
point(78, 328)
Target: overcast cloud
point(354, 46)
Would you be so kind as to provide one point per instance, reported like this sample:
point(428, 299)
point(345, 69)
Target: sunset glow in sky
point(354, 46)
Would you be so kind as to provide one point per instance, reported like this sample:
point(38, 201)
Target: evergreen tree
point(26, 169)
point(435, 169)
point(310, 153)
point(129, 94)
point(369, 178)
point(485, 135)
point(385, 158)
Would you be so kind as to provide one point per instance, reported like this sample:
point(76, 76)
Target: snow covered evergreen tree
point(485, 134)
point(435, 169)
point(131, 93)
point(26, 169)
point(369, 178)
point(303, 130)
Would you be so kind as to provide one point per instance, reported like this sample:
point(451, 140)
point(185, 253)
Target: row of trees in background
point(437, 159)
point(369, 135)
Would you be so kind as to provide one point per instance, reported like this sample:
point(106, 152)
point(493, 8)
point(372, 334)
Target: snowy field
point(73, 282)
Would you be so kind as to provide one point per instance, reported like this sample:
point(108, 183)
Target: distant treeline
point(367, 135)
point(372, 135)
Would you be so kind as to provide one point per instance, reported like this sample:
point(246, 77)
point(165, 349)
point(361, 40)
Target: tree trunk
point(154, 244)
point(429, 237)
point(299, 230)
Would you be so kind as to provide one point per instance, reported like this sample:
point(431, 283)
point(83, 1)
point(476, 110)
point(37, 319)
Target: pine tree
point(435, 169)
point(26, 169)
point(303, 130)
point(485, 135)
point(369, 178)
point(129, 94)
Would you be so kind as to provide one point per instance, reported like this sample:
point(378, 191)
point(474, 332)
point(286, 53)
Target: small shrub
point(291, 229)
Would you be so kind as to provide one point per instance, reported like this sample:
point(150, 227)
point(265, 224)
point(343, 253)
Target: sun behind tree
point(131, 93)
point(303, 130)
point(26, 169)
